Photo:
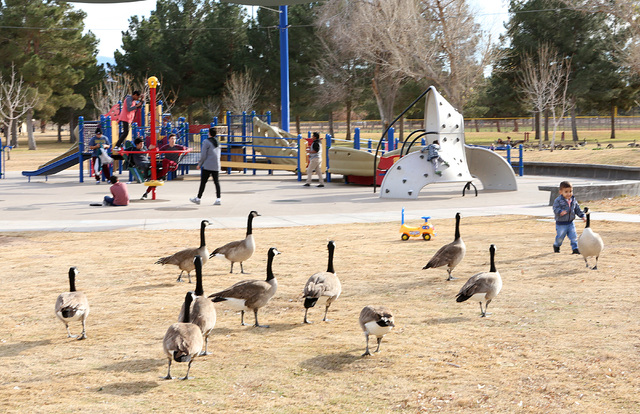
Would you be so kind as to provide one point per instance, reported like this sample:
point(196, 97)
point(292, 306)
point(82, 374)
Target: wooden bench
point(596, 191)
point(257, 166)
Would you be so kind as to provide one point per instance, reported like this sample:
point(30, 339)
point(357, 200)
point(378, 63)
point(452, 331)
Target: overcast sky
point(107, 21)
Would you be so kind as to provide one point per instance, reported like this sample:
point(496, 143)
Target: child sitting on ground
point(119, 192)
point(565, 209)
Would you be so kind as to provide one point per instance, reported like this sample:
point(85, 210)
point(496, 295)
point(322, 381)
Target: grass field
point(562, 338)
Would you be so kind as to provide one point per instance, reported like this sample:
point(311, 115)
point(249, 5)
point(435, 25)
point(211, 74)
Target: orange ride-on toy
point(426, 231)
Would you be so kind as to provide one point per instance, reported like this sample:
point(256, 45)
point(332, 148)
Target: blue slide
point(57, 166)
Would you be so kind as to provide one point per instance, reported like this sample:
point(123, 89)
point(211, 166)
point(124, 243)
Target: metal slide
point(57, 166)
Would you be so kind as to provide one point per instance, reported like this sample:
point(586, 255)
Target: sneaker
point(320, 185)
point(556, 249)
point(144, 196)
point(306, 185)
point(575, 251)
point(195, 200)
point(217, 202)
point(104, 203)
point(97, 182)
point(438, 173)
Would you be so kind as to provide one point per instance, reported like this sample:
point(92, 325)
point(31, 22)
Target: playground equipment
point(426, 231)
point(461, 163)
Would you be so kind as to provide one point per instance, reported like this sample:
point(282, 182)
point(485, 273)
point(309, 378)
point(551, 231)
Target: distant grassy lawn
point(22, 158)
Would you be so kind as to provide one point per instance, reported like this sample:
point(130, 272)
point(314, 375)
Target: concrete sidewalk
point(62, 203)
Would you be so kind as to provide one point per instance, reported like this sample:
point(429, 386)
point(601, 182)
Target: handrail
point(387, 130)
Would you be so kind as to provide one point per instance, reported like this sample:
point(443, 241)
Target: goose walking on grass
point(183, 340)
point(376, 321)
point(184, 258)
point(251, 295)
point(590, 243)
point(239, 250)
point(483, 286)
point(203, 311)
point(322, 287)
point(450, 254)
point(73, 306)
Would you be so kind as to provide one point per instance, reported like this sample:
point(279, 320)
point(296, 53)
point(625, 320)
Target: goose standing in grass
point(203, 311)
point(183, 340)
point(485, 285)
point(240, 250)
point(322, 287)
point(450, 254)
point(184, 258)
point(73, 306)
point(590, 243)
point(251, 294)
point(376, 321)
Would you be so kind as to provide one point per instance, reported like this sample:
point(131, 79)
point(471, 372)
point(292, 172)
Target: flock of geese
point(185, 340)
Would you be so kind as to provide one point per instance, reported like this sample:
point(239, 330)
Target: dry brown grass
point(562, 338)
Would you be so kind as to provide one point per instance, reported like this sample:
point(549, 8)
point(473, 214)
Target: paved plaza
point(61, 203)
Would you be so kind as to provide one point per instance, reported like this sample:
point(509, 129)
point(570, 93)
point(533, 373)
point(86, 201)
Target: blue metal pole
point(328, 141)
point(521, 166)
point(80, 145)
point(269, 117)
point(284, 67)
point(356, 139)
point(390, 139)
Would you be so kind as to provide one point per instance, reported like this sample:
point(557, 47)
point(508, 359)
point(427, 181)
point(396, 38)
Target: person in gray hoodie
point(209, 166)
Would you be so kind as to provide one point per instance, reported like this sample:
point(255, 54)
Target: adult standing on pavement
point(315, 160)
point(209, 166)
point(129, 106)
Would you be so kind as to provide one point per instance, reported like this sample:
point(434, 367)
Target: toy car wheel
point(426, 236)
point(405, 237)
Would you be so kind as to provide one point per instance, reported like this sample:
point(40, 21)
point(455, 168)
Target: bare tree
point(544, 81)
point(211, 106)
point(241, 92)
point(355, 28)
point(428, 40)
point(113, 88)
point(16, 100)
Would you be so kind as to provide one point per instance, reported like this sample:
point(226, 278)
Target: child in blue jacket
point(565, 209)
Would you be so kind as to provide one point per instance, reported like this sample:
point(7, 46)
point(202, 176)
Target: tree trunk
point(613, 122)
point(516, 128)
point(331, 124)
point(477, 126)
point(574, 124)
point(14, 133)
point(72, 126)
point(498, 125)
point(546, 125)
point(537, 121)
point(401, 130)
point(385, 91)
point(298, 125)
point(59, 133)
point(348, 134)
point(30, 137)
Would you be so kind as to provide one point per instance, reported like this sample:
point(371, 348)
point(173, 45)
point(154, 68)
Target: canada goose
point(203, 311)
point(322, 287)
point(610, 146)
point(184, 258)
point(450, 254)
point(485, 284)
point(590, 243)
point(73, 306)
point(376, 321)
point(251, 294)
point(240, 250)
point(632, 144)
point(183, 340)
point(598, 144)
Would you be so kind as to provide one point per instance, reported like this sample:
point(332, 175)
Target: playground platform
point(62, 204)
